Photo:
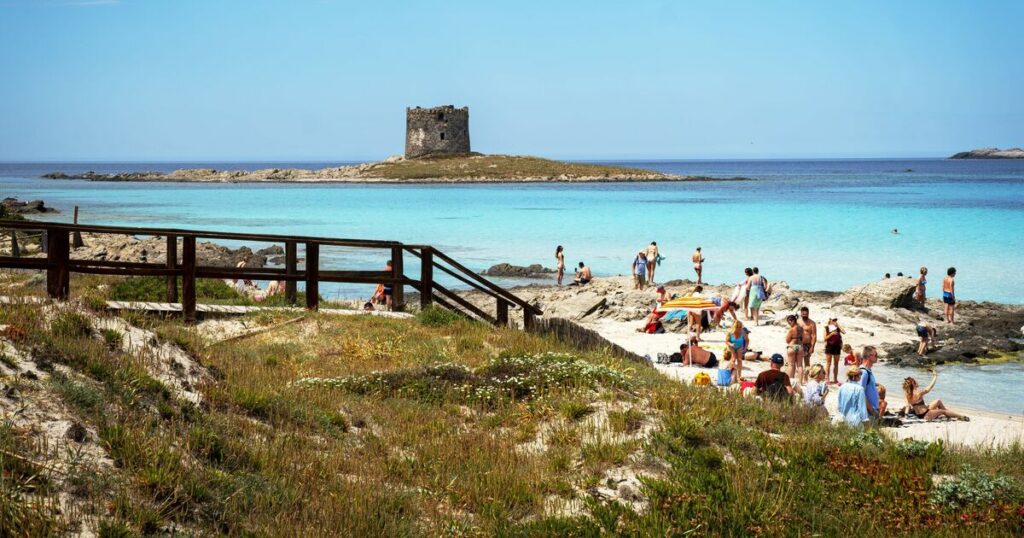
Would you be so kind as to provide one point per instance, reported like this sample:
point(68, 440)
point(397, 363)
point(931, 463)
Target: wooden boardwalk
point(140, 306)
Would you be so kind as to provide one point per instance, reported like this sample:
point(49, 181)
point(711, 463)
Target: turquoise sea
point(818, 224)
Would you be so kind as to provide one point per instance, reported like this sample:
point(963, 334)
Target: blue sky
point(186, 80)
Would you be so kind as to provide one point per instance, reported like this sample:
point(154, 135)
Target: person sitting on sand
point(774, 383)
point(583, 276)
point(883, 405)
point(378, 295)
point(794, 347)
point(852, 404)
point(927, 333)
point(639, 269)
point(851, 358)
point(275, 287)
point(949, 294)
point(816, 389)
point(915, 400)
point(663, 294)
point(698, 355)
point(698, 263)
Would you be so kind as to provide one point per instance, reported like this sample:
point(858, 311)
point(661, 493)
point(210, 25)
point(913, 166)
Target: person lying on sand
point(917, 407)
point(698, 355)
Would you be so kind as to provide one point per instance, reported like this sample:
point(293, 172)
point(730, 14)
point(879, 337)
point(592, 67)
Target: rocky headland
point(517, 271)
point(990, 153)
point(13, 206)
point(471, 168)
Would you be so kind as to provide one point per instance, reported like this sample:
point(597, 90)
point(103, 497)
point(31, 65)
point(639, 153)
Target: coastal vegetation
point(436, 425)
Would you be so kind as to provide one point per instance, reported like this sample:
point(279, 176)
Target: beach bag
point(675, 357)
point(724, 377)
point(702, 379)
point(762, 291)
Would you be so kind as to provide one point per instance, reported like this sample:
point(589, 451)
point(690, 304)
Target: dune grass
point(385, 442)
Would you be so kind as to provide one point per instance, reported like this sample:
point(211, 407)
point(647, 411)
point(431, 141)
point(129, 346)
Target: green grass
point(500, 167)
point(390, 445)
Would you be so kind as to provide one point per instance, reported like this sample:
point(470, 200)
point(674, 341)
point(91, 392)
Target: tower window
point(442, 136)
point(440, 116)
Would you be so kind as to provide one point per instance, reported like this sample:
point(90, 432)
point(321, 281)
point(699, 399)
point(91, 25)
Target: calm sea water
point(818, 224)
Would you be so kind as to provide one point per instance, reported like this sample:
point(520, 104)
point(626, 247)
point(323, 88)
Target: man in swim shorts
point(949, 294)
point(583, 275)
point(810, 339)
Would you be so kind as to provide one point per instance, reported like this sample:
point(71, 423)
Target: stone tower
point(441, 130)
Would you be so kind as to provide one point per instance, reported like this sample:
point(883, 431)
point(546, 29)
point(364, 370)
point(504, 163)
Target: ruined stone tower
point(441, 130)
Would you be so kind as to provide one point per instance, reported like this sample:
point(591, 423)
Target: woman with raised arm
point(915, 401)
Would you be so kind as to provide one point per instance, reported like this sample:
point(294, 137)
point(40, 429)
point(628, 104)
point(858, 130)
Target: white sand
point(984, 430)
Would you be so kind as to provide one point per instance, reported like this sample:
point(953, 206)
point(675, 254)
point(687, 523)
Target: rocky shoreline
point(465, 169)
point(990, 153)
point(882, 313)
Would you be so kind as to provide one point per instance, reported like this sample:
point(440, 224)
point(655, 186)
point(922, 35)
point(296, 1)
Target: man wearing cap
point(774, 383)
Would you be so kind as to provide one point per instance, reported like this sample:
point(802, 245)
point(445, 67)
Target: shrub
point(112, 337)
point(972, 488)
point(866, 439)
point(71, 325)
point(436, 316)
point(154, 289)
point(912, 448)
point(574, 410)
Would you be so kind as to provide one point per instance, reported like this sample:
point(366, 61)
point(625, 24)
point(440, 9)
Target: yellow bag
point(702, 378)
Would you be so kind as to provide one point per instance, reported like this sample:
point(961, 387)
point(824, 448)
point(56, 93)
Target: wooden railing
point(59, 265)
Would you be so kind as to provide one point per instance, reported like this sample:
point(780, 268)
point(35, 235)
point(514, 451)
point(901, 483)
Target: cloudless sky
point(178, 80)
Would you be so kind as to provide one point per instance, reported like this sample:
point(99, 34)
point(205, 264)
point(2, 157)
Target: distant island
point(466, 168)
point(991, 153)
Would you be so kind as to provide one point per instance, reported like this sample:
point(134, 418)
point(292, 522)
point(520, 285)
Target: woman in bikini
point(921, 282)
point(560, 258)
point(915, 400)
point(794, 348)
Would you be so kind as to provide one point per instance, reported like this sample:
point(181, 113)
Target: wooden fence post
point(291, 268)
point(312, 275)
point(172, 263)
point(58, 253)
point(397, 272)
point(529, 319)
point(76, 239)
point(188, 278)
point(427, 277)
point(502, 316)
point(15, 251)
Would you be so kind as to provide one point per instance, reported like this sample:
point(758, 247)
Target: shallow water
point(815, 224)
point(819, 224)
point(988, 387)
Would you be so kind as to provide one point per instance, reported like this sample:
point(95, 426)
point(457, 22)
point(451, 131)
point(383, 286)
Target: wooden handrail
point(58, 265)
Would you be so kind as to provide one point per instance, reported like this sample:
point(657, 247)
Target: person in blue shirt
point(639, 270)
point(867, 379)
point(852, 402)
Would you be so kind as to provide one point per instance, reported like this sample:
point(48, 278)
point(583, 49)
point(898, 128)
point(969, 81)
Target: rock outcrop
point(154, 250)
point(12, 206)
point(508, 270)
point(888, 293)
point(991, 153)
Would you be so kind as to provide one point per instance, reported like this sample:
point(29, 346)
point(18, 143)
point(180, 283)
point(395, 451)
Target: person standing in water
point(560, 258)
point(949, 294)
point(652, 260)
point(698, 263)
point(919, 294)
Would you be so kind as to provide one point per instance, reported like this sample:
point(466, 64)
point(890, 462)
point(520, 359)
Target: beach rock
point(990, 153)
point(109, 247)
point(982, 331)
point(273, 250)
point(508, 270)
point(12, 206)
point(888, 293)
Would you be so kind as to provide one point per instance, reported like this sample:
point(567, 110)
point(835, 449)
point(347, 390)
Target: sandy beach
point(623, 310)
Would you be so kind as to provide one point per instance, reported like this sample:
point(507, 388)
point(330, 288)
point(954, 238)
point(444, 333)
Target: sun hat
point(777, 359)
